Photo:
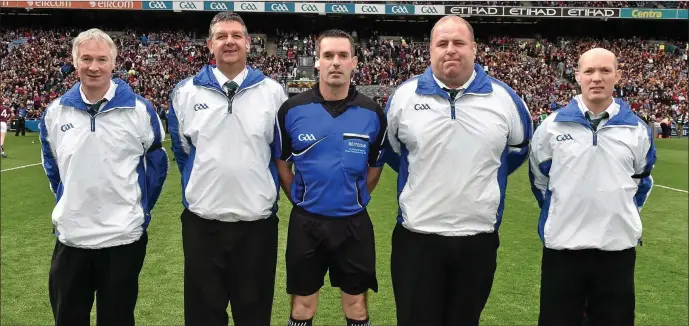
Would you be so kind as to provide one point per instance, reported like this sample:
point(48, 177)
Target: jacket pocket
point(355, 149)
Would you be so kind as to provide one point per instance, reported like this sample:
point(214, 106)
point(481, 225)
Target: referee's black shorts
point(317, 244)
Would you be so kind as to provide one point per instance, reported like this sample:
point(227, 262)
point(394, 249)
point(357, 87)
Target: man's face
point(95, 64)
point(335, 61)
point(597, 76)
point(228, 43)
point(452, 50)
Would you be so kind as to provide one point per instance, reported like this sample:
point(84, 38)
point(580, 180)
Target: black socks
point(294, 322)
point(309, 322)
point(365, 322)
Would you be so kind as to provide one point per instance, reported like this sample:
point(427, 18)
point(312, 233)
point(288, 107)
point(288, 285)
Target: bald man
point(590, 170)
point(459, 134)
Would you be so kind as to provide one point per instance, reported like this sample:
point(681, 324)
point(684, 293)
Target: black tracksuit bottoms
point(596, 281)
point(228, 262)
point(111, 273)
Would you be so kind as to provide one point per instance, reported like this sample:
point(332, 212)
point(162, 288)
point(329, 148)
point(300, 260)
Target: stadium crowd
point(37, 69)
point(558, 3)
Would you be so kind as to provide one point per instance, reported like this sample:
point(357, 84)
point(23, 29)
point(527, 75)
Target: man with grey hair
point(102, 154)
point(221, 125)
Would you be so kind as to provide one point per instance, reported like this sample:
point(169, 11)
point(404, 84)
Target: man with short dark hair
point(221, 125)
point(333, 135)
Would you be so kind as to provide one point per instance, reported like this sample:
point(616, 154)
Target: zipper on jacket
point(595, 134)
point(229, 100)
point(93, 121)
point(356, 185)
point(452, 110)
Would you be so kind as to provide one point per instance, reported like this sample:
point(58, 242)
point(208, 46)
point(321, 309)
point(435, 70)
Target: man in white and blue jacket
point(102, 153)
point(221, 124)
point(590, 169)
point(459, 133)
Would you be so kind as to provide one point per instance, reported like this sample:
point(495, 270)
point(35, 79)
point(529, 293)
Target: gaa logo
point(218, 6)
point(339, 8)
point(187, 5)
point(306, 137)
point(66, 127)
point(249, 7)
point(369, 9)
point(429, 10)
point(309, 7)
point(399, 10)
point(157, 5)
point(564, 137)
point(419, 107)
point(279, 7)
point(200, 106)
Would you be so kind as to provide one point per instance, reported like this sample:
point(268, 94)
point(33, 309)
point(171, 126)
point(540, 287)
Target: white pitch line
point(673, 189)
point(20, 167)
point(30, 165)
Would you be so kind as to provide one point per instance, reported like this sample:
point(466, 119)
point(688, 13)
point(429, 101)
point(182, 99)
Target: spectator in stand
point(5, 117)
point(22, 113)
point(541, 71)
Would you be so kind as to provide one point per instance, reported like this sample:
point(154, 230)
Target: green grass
point(27, 244)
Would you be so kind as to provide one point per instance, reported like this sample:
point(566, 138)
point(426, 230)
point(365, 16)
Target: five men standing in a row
point(454, 134)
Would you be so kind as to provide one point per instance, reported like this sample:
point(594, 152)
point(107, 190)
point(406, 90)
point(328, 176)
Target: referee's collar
point(318, 97)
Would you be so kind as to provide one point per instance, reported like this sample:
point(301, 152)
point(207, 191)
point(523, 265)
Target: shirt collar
point(463, 87)
point(222, 79)
point(108, 95)
point(612, 110)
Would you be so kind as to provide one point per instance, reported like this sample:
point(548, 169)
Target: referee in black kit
point(333, 135)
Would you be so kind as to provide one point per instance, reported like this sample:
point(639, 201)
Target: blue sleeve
point(642, 192)
point(646, 182)
point(518, 154)
point(390, 157)
point(515, 159)
point(538, 177)
point(377, 151)
point(157, 164)
point(282, 144)
point(48, 160)
point(177, 138)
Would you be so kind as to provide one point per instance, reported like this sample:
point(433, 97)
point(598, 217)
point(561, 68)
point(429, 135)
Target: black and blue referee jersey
point(332, 145)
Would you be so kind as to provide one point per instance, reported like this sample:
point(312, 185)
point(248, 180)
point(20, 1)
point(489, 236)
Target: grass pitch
point(27, 244)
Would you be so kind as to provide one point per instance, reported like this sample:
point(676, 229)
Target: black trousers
point(228, 262)
point(600, 282)
point(112, 273)
point(439, 280)
point(21, 126)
